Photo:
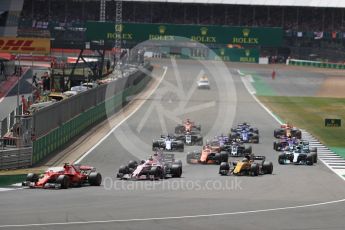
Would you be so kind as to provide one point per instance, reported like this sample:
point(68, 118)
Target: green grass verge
point(309, 113)
point(261, 87)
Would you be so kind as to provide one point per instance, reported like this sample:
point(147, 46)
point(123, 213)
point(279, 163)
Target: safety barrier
point(6, 180)
point(317, 64)
point(15, 158)
point(60, 136)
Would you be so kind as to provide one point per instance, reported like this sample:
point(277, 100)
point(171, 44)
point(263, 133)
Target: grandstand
point(312, 28)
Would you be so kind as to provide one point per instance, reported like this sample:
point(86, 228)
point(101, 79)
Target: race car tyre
point(314, 156)
point(155, 145)
point(275, 144)
point(224, 156)
point(218, 158)
point(281, 158)
point(254, 169)
point(224, 168)
point(119, 175)
point(63, 181)
point(181, 148)
point(256, 140)
point(156, 172)
point(248, 149)
point(313, 150)
point(296, 133)
point(32, 177)
point(124, 169)
point(132, 164)
point(95, 179)
point(276, 133)
point(176, 170)
point(267, 167)
point(309, 160)
point(256, 130)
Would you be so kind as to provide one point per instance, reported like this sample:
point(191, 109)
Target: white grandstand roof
point(301, 3)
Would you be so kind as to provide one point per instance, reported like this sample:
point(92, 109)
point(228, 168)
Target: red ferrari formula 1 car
point(64, 177)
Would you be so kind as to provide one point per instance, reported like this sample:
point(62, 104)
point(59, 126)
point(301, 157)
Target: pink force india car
point(158, 166)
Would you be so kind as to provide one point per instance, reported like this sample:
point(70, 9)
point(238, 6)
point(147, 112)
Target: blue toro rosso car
point(244, 133)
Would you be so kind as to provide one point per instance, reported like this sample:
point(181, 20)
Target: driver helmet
point(150, 158)
point(245, 159)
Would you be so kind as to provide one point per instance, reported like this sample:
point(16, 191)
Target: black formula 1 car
point(190, 138)
point(159, 166)
point(168, 143)
point(250, 165)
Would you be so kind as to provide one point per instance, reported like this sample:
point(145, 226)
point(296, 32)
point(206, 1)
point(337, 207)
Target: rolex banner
point(138, 32)
point(237, 55)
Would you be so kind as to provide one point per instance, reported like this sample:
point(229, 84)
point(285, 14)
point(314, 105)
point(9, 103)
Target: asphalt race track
point(294, 197)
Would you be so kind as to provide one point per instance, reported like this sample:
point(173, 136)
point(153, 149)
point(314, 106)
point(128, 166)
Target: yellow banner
point(25, 45)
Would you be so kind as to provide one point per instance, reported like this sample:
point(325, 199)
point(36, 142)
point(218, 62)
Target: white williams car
point(168, 143)
point(203, 83)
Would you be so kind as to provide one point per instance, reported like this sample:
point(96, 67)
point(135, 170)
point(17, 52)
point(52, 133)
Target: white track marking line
point(173, 217)
point(125, 119)
point(304, 133)
point(6, 189)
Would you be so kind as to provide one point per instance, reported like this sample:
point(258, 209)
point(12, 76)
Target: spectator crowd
point(43, 13)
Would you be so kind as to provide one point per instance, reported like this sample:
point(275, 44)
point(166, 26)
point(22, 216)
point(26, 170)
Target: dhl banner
point(25, 45)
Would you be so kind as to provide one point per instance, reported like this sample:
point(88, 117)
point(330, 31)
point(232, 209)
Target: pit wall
point(60, 136)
